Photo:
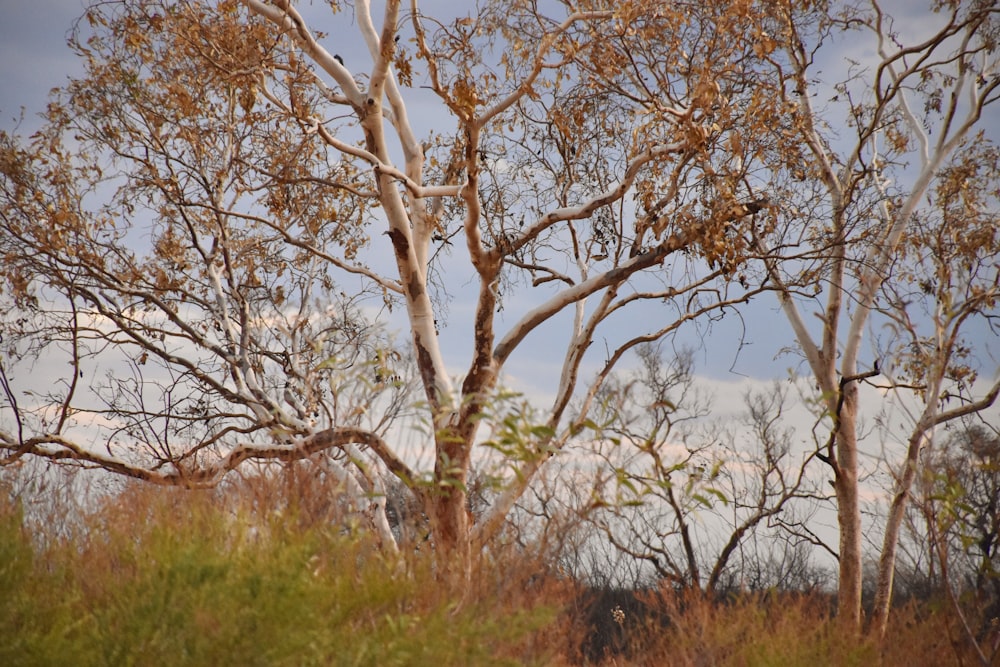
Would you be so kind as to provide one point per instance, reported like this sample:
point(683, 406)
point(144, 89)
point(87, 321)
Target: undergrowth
point(161, 578)
point(170, 577)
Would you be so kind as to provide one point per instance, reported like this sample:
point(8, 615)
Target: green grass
point(190, 585)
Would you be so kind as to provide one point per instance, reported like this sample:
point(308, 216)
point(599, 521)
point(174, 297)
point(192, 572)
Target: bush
point(161, 578)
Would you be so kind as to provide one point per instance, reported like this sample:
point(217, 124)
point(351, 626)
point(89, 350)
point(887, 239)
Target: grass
point(168, 577)
point(161, 578)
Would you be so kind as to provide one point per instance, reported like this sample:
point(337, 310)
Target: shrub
point(166, 578)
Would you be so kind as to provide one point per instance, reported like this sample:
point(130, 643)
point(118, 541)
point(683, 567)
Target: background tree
point(954, 526)
point(861, 154)
point(685, 497)
point(944, 290)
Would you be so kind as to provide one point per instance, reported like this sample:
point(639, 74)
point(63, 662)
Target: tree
point(956, 518)
point(685, 497)
point(860, 159)
point(195, 317)
point(216, 197)
point(944, 284)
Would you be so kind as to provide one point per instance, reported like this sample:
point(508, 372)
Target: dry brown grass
point(272, 570)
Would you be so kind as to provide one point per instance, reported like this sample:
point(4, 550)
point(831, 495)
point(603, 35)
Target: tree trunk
point(901, 495)
point(848, 511)
point(887, 561)
point(448, 511)
point(450, 526)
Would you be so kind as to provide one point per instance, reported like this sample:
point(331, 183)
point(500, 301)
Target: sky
point(34, 58)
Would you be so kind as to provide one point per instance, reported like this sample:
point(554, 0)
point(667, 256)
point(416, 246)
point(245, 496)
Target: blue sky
point(34, 58)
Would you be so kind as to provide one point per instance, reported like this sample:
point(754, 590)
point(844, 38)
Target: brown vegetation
point(166, 577)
